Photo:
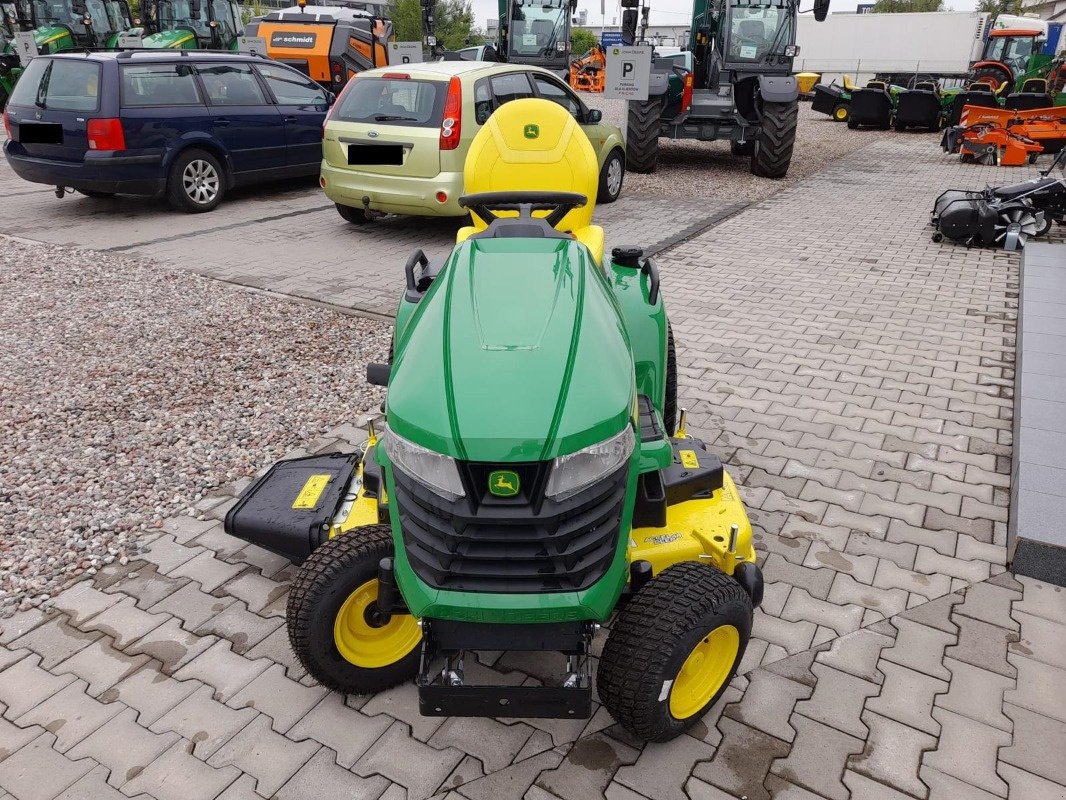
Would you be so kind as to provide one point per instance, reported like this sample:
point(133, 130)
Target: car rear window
point(159, 85)
point(393, 101)
point(60, 84)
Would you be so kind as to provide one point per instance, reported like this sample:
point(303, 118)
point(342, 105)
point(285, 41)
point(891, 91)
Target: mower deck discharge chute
point(532, 477)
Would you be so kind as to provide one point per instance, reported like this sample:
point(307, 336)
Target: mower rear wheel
point(642, 135)
point(331, 617)
point(841, 112)
point(773, 148)
point(673, 650)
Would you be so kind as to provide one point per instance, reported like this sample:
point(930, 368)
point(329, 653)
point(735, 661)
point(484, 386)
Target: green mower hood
point(52, 38)
point(516, 353)
point(181, 39)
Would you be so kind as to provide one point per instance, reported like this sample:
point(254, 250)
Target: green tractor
point(89, 24)
point(192, 24)
point(13, 20)
point(740, 86)
point(532, 478)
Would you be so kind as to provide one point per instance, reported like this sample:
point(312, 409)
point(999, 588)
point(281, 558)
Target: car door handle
point(290, 119)
point(222, 121)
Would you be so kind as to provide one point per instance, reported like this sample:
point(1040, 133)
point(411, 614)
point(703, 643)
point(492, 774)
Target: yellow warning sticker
point(308, 496)
point(688, 459)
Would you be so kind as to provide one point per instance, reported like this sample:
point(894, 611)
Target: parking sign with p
point(628, 71)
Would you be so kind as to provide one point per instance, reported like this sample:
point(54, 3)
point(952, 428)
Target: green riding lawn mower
point(532, 479)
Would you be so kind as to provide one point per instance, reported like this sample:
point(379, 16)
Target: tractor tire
point(773, 148)
point(670, 402)
point(742, 148)
point(673, 649)
point(329, 609)
point(841, 112)
point(994, 74)
point(196, 183)
point(642, 135)
point(356, 216)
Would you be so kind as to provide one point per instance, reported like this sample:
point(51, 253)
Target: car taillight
point(686, 95)
point(451, 125)
point(106, 134)
point(7, 127)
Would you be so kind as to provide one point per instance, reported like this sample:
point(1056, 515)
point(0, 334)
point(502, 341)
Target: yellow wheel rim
point(368, 646)
point(841, 114)
point(704, 671)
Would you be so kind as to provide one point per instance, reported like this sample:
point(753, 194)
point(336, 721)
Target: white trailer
point(936, 43)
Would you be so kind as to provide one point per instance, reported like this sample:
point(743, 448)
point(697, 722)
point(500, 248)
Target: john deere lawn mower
point(530, 479)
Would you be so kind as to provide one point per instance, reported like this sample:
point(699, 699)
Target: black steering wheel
point(525, 203)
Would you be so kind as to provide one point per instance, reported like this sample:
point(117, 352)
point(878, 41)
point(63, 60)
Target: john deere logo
point(615, 51)
point(532, 131)
point(503, 483)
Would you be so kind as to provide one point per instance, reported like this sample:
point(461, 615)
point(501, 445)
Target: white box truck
point(941, 44)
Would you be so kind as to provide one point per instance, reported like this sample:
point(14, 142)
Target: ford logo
point(373, 134)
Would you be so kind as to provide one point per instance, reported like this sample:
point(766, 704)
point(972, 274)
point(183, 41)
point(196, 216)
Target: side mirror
point(594, 116)
point(821, 9)
point(331, 98)
point(482, 111)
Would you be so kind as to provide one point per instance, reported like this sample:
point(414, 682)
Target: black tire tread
point(648, 630)
point(670, 401)
point(777, 138)
point(326, 565)
point(642, 135)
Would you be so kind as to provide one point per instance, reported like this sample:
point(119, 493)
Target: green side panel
point(595, 603)
point(645, 326)
point(171, 40)
point(52, 39)
point(516, 353)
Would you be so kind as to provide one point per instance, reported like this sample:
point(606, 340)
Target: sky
point(673, 12)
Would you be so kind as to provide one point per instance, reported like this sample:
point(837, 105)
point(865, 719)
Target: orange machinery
point(329, 44)
point(1007, 137)
point(589, 73)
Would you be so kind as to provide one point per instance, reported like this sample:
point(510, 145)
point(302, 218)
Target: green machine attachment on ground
point(532, 479)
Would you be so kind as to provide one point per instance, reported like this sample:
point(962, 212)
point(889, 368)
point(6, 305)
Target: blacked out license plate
point(40, 133)
point(375, 155)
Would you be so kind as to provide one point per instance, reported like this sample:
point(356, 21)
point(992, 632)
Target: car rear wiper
point(393, 118)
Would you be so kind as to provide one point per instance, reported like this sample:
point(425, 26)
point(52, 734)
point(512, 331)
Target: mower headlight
point(570, 474)
point(791, 50)
point(433, 470)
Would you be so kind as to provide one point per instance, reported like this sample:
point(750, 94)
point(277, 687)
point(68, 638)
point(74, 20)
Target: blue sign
point(608, 38)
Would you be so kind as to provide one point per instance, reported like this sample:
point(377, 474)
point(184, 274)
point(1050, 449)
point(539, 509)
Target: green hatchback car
point(397, 137)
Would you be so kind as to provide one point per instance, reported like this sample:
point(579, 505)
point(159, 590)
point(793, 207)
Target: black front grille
point(529, 545)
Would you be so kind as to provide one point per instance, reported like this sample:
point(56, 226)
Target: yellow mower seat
point(535, 145)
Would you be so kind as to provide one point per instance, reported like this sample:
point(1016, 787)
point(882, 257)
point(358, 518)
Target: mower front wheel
point(673, 650)
point(334, 627)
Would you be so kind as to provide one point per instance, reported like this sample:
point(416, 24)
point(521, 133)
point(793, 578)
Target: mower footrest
point(542, 702)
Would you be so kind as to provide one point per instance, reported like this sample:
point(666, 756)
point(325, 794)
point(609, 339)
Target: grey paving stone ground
point(858, 380)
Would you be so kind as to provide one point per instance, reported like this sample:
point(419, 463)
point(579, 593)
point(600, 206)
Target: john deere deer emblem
point(531, 131)
point(503, 483)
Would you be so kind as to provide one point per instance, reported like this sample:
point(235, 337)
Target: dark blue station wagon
point(189, 125)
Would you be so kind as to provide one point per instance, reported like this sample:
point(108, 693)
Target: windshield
point(758, 28)
point(116, 16)
point(407, 103)
point(538, 27)
point(1014, 51)
point(178, 14)
point(48, 12)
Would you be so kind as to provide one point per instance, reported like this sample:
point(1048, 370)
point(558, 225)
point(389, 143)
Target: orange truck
point(329, 44)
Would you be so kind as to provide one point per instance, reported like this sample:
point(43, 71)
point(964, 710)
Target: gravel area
point(708, 169)
point(131, 392)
